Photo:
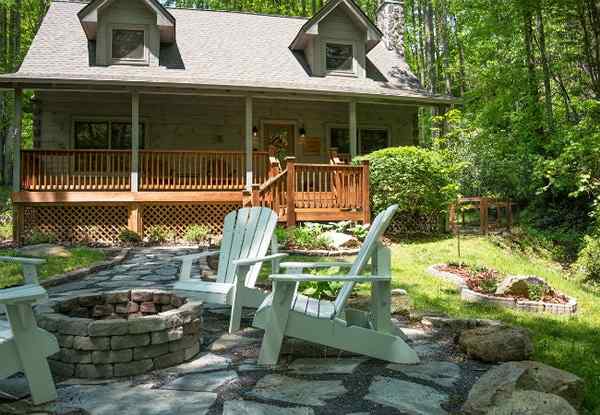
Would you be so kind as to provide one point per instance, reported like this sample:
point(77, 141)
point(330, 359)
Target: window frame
point(125, 61)
point(109, 121)
point(337, 72)
point(359, 129)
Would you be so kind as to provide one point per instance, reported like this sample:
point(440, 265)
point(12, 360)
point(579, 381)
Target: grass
point(569, 343)
point(11, 274)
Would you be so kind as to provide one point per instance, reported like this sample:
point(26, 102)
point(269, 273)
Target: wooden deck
point(83, 194)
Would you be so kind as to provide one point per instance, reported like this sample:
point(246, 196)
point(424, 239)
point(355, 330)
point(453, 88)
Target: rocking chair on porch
point(247, 235)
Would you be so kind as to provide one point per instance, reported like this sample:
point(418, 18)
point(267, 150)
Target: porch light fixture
point(255, 131)
point(302, 132)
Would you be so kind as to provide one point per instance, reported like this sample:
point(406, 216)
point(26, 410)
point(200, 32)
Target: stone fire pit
point(122, 333)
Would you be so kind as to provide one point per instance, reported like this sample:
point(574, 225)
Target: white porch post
point(18, 128)
point(135, 141)
point(353, 130)
point(249, 144)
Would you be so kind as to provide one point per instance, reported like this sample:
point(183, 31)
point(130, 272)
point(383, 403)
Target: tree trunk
point(4, 180)
point(430, 39)
point(546, 67)
point(532, 78)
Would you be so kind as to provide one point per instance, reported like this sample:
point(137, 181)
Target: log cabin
point(151, 116)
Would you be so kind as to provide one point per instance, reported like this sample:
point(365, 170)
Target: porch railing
point(75, 170)
point(199, 170)
point(159, 170)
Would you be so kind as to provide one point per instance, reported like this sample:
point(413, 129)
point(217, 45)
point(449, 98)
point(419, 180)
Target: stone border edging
point(322, 252)
point(471, 296)
point(83, 272)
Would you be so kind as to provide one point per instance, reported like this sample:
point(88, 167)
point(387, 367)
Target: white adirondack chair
point(287, 313)
point(23, 345)
point(247, 235)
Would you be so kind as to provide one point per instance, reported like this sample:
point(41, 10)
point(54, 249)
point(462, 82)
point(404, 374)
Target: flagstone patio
point(224, 378)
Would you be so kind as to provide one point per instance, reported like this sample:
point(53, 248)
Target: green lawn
point(11, 274)
point(572, 344)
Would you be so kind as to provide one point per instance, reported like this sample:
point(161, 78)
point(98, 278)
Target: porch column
point(18, 128)
point(249, 144)
point(135, 141)
point(353, 130)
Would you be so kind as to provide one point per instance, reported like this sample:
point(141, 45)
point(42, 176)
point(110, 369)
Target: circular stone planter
point(122, 333)
point(471, 296)
point(322, 252)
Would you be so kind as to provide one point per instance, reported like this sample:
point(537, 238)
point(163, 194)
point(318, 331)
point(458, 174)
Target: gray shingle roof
point(214, 49)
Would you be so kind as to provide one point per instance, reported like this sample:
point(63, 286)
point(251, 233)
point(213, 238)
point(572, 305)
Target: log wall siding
point(211, 123)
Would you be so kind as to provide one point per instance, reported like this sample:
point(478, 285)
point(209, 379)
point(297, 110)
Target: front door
point(282, 138)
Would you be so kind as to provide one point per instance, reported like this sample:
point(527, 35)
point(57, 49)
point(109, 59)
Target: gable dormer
point(336, 40)
point(127, 32)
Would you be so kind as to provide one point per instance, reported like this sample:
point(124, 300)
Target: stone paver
point(407, 397)
point(245, 408)
point(293, 390)
point(325, 366)
point(225, 378)
point(442, 373)
point(203, 382)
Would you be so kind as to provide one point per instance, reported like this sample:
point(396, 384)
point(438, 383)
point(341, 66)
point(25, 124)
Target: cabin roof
point(214, 49)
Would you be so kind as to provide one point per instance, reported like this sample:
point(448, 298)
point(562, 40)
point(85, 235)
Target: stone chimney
point(390, 20)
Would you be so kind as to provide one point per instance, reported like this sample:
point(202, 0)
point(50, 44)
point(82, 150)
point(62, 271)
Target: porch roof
point(215, 50)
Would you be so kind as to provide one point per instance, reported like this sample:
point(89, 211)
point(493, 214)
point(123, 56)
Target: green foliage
point(197, 233)
point(37, 237)
point(418, 180)
point(488, 284)
point(307, 237)
point(159, 234)
point(588, 263)
point(536, 292)
point(129, 237)
point(359, 231)
point(282, 235)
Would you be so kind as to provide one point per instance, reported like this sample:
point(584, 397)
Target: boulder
point(338, 240)
point(518, 285)
point(500, 384)
point(44, 250)
point(533, 403)
point(496, 343)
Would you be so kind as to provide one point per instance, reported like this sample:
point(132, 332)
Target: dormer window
point(339, 57)
point(129, 46)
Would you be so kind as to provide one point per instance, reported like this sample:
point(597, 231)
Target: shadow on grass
point(420, 238)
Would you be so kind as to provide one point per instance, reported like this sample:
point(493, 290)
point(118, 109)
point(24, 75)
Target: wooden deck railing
point(273, 194)
point(75, 170)
point(162, 170)
point(159, 170)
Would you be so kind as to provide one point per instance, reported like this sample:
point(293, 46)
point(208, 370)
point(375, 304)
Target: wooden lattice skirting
point(177, 218)
point(411, 223)
point(85, 223)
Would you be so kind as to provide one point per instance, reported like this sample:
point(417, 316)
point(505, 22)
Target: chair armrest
point(28, 261)
point(327, 278)
point(194, 257)
point(313, 265)
point(24, 294)
point(252, 261)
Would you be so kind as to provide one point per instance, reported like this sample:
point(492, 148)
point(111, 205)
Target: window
point(99, 135)
point(128, 45)
point(369, 139)
point(339, 57)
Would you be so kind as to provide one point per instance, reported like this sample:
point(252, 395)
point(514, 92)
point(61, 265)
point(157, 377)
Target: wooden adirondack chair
point(23, 345)
point(247, 235)
point(287, 313)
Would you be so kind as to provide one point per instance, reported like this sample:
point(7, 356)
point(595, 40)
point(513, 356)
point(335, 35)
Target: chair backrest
point(378, 228)
point(247, 233)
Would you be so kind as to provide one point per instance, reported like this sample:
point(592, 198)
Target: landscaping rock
point(229, 341)
point(533, 403)
point(44, 250)
point(113, 356)
point(206, 363)
point(107, 328)
point(338, 240)
point(518, 285)
point(94, 371)
point(203, 382)
point(500, 383)
point(133, 368)
point(496, 343)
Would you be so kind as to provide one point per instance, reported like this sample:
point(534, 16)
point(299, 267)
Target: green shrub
point(359, 231)
point(488, 283)
point(197, 233)
point(420, 181)
point(536, 292)
point(38, 237)
point(160, 234)
point(282, 236)
point(129, 237)
point(588, 263)
point(307, 237)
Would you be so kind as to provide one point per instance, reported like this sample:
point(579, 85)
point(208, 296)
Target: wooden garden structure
point(482, 205)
